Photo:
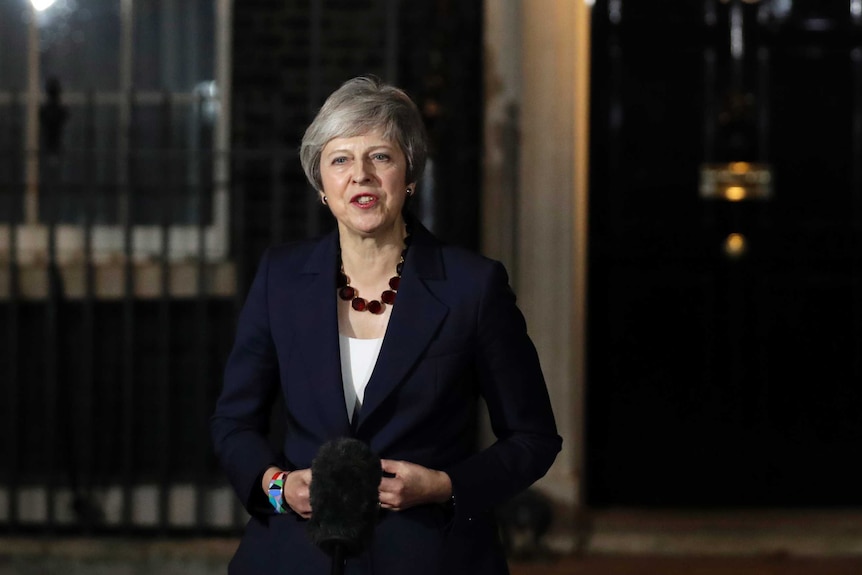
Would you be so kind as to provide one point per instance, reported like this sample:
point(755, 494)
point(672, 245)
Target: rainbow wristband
point(276, 491)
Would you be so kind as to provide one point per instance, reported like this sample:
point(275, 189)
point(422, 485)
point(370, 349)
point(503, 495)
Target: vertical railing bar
point(762, 103)
point(276, 185)
point(128, 383)
point(201, 395)
point(856, 205)
point(164, 313)
point(31, 133)
point(760, 289)
point(856, 148)
point(709, 105)
point(12, 425)
point(314, 56)
point(616, 120)
point(86, 410)
point(710, 115)
point(125, 196)
point(238, 166)
point(222, 139)
point(391, 40)
point(51, 349)
point(315, 74)
point(192, 33)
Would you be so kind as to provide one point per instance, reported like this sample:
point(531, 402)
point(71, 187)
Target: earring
point(323, 200)
point(409, 191)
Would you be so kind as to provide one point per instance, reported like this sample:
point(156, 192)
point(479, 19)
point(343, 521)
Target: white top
point(358, 357)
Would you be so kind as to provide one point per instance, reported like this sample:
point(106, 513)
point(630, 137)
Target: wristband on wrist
point(276, 491)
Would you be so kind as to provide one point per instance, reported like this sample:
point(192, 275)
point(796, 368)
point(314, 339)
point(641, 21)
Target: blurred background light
point(735, 245)
point(41, 5)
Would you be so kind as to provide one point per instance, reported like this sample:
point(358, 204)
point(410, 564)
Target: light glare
point(42, 5)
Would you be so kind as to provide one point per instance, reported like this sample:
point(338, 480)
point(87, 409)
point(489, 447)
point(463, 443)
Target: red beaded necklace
point(351, 294)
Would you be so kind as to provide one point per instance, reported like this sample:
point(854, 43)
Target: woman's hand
point(295, 491)
point(412, 485)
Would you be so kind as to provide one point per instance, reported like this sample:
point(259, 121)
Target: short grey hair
point(359, 106)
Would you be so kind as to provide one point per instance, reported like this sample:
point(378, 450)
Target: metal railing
point(111, 358)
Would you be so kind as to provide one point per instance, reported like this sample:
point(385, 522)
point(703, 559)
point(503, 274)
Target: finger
point(303, 509)
point(387, 498)
point(391, 466)
point(393, 498)
point(388, 505)
point(388, 484)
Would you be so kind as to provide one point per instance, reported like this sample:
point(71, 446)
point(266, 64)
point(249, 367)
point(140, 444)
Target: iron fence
point(116, 325)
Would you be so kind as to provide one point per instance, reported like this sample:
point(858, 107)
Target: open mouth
point(364, 200)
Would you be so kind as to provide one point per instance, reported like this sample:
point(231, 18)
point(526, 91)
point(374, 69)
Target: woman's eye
point(339, 160)
point(381, 157)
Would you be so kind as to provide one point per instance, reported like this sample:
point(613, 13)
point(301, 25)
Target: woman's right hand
point(295, 491)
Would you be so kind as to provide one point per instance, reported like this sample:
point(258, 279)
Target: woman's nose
point(361, 172)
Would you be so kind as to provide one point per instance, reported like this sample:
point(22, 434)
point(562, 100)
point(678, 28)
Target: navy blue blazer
point(454, 335)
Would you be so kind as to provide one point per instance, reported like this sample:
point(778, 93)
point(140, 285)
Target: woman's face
point(364, 181)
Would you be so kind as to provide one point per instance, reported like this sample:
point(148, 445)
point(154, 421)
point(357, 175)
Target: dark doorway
point(725, 336)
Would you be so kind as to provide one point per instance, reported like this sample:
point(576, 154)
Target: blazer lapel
point(316, 312)
point(415, 318)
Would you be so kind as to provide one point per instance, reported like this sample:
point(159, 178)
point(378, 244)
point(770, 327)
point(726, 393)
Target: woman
point(381, 333)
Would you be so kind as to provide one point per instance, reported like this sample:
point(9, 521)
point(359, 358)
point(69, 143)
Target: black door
point(725, 359)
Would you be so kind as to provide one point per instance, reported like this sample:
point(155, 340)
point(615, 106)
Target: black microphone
point(344, 494)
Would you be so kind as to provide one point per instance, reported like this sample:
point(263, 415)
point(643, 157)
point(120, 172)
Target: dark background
point(714, 380)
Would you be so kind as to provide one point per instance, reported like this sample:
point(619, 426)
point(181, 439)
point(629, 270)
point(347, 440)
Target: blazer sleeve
point(240, 423)
point(514, 389)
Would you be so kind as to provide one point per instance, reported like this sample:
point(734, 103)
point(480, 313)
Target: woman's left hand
point(412, 485)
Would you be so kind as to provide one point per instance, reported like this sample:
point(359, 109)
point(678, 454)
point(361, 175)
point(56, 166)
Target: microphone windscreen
point(344, 494)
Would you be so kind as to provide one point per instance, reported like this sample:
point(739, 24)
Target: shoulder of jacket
point(464, 259)
point(296, 249)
